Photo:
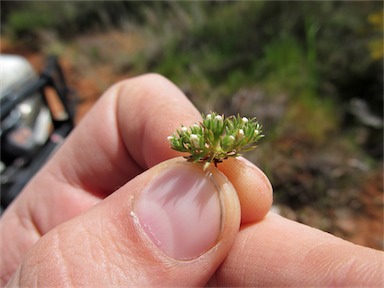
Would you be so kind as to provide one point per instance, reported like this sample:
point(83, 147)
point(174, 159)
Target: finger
point(172, 225)
point(149, 118)
point(124, 134)
point(279, 252)
point(254, 188)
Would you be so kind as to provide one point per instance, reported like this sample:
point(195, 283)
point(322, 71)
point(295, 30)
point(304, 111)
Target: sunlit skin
point(72, 225)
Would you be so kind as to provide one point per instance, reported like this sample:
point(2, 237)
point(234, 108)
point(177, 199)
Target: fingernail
point(180, 211)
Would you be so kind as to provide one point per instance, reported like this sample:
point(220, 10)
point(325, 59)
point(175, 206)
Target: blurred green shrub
point(312, 73)
point(321, 52)
point(66, 18)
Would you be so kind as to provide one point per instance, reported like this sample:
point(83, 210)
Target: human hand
point(89, 240)
point(85, 219)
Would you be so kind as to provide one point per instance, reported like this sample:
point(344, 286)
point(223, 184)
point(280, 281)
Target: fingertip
point(253, 187)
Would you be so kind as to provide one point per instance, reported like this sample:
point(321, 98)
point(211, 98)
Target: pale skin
point(71, 226)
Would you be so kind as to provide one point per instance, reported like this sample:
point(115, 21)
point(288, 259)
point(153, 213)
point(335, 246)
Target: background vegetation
point(311, 72)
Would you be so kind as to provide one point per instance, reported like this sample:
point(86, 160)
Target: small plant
point(216, 138)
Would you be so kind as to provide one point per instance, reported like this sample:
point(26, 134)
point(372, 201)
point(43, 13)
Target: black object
point(19, 168)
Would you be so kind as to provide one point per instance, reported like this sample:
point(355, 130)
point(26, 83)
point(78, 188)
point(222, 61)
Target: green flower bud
point(216, 138)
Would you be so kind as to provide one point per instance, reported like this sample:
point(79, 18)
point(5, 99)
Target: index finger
point(124, 134)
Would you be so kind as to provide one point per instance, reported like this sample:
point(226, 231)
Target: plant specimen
point(216, 138)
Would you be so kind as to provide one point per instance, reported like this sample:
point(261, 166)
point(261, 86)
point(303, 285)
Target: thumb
point(172, 225)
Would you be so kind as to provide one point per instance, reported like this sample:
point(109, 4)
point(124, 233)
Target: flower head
point(216, 138)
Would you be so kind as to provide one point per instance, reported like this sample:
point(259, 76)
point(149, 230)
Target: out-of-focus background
point(311, 73)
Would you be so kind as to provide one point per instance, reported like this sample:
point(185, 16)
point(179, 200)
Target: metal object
point(30, 131)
